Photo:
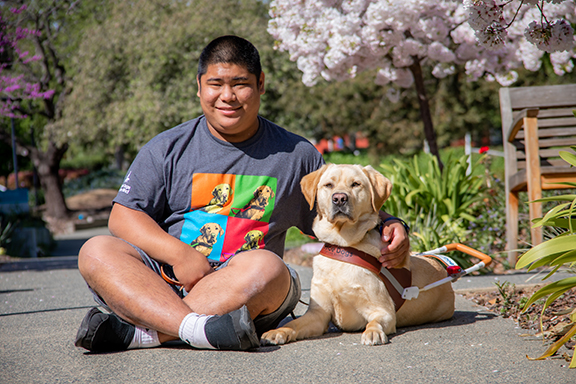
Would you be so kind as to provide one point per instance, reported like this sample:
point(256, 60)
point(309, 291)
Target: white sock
point(144, 338)
point(192, 331)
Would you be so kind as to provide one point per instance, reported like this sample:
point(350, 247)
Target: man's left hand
point(396, 244)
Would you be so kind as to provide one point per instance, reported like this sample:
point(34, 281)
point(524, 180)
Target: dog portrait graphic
point(221, 193)
point(254, 210)
point(251, 240)
point(208, 237)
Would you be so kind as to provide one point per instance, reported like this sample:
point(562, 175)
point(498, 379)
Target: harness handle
point(469, 251)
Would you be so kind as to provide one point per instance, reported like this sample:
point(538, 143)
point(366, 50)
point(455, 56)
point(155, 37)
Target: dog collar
point(362, 259)
point(201, 243)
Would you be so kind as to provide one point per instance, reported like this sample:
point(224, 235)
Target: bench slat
point(551, 96)
point(551, 132)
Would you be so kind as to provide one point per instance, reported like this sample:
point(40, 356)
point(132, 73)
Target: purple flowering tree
point(14, 87)
point(33, 86)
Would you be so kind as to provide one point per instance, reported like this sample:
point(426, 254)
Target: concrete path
point(43, 301)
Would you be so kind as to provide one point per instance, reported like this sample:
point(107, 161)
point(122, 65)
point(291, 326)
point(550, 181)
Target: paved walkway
point(43, 301)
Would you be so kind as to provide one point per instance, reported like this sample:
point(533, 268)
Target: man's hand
point(187, 273)
point(396, 244)
point(137, 228)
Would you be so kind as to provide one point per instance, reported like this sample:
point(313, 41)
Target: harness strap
point(392, 278)
point(236, 211)
point(202, 243)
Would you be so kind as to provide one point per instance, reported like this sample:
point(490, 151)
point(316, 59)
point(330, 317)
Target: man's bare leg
point(114, 269)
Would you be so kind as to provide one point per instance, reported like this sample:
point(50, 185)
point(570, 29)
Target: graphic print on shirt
point(229, 214)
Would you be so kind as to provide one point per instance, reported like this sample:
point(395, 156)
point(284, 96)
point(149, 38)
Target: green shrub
point(438, 204)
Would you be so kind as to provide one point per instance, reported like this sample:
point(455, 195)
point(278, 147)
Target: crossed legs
point(113, 268)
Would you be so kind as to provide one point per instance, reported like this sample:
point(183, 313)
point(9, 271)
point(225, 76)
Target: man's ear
point(261, 88)
point(309, 185)
point(199, 86)
point(381, 187)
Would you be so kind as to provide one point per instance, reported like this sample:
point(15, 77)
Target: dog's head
point(210, 231)
point(253, 236)
point(221, 193)
point(262, 195)
point(345, 192)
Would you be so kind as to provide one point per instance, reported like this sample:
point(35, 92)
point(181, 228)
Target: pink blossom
point(335, 40)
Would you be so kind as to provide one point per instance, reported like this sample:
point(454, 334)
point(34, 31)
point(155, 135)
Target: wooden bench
point(537, 122)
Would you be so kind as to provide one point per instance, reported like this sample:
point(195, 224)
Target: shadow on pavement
point(40, 264)
point(459, 318)
point(45, 310)
point(68, 247)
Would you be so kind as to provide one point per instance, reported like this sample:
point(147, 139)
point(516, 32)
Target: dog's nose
point(339, 199)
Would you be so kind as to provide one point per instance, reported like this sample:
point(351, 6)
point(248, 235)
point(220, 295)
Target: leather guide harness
point(394, 279)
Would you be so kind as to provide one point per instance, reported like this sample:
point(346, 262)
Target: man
point(172, 268)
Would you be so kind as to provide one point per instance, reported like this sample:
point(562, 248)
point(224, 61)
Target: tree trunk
point(48, 165)
point(119, 156)
point(429, 133)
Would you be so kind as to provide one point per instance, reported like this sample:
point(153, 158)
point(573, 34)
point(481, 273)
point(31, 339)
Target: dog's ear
point(221, 231)
point(309, 185)
point(381, 187)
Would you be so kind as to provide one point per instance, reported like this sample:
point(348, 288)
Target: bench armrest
point(518, 120)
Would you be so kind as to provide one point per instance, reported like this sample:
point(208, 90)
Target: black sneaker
point(233, 331)
point(102, 332)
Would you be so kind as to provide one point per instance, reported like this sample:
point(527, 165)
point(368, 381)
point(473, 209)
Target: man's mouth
point(228, 111)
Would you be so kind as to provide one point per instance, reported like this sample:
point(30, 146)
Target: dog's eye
point(355, 184)
point(329, 185)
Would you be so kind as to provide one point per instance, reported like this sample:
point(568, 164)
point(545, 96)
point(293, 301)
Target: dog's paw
point(278, 336)
point(374, 337)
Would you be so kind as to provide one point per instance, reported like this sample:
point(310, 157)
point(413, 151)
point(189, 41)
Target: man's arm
point(396, 242)
point(139, 229)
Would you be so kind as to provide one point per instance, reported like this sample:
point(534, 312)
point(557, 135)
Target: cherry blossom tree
point(336, 39)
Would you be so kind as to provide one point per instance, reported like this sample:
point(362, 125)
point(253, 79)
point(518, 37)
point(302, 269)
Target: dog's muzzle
point(340, 206)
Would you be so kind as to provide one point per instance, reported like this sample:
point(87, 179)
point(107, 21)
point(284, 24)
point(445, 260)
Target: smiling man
point(150, 277)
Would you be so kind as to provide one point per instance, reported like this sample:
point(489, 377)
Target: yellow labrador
point(348, 198)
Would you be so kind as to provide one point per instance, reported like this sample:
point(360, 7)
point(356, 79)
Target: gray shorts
point(262, 323)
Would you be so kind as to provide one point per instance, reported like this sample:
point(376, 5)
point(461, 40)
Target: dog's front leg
point(378, 327)
point(313, 323)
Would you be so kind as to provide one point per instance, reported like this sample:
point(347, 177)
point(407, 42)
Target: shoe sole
point(81, 337)
point(245, 329)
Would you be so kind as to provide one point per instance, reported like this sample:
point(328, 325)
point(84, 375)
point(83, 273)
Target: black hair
point(231, 50)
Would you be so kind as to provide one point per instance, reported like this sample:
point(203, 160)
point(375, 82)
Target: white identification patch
point(125, 188)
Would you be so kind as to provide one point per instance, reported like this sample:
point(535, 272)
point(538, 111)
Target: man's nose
point(227, 93)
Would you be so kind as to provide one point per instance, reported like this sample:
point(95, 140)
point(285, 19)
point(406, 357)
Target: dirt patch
point(88, 209)
point(97, 199)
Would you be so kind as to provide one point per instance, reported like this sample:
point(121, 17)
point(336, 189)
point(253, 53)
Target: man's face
point(230, 98)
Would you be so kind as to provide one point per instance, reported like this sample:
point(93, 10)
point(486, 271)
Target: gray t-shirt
point(221, 197)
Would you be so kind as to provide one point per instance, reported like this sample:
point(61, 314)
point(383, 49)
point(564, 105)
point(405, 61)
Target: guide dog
point(348, 199)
